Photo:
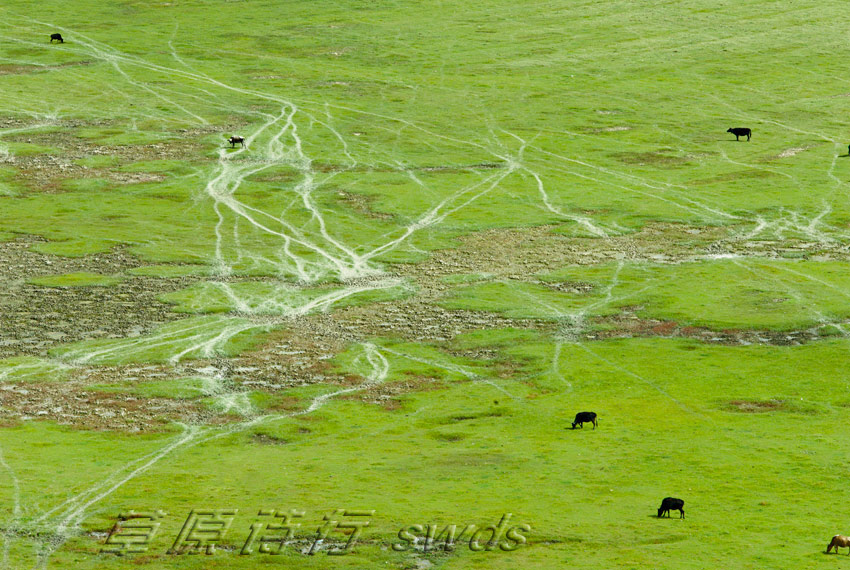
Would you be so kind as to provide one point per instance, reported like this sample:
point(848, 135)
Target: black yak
point(582, 417)
point(740, 132)
point(670, 504)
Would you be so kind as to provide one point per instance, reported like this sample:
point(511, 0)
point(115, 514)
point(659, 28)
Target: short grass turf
point(381, 134)
point(719, 426)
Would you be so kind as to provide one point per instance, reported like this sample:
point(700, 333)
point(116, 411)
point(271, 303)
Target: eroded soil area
point(299, 351)
point(34, 318)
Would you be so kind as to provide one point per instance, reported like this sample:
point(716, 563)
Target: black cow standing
point(582, 417)
point(740, 132)
point(57, 37)
point(236, 139)
point(670, 504)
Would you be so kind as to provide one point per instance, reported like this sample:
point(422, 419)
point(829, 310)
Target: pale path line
point(9, 531)
point(76, 508)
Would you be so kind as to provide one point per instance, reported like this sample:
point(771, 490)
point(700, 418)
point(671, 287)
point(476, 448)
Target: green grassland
point(745, 293)
point(453, 226)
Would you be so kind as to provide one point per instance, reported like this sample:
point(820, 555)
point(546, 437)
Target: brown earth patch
point(264, 439)
point(733, 176)
point(757, 406)
point(523, 253)
point(572, 287)
point(627, 324)
point(69, 403)
point(362, 204)
point(299, 352)
point(663, 158)
point(17, 69)
point(46, 173)
point(388, 395)
point(611, 129)
point(446, 168)
point(461, 168)
point(791, 151)
point(136, 177)
point(449, 437)
point(33, 318)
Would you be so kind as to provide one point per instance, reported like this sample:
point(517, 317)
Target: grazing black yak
point(582, 417)
point(57, 37)
point(740, 131)
point(670, 504)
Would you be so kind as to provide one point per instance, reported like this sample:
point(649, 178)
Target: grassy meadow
point(453, 226)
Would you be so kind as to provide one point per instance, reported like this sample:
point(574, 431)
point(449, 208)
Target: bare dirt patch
point(69, 403)
point(136, 177)
point(664, 158)
point(388, 395)
point(627, 324)
point(734, 176)
point(33, 318)
point(300, 350)
point(522, 253)
point(461, 168)
point(611, 129)
point(757, 406)
point(362, 204)
point(46, 173)
point(264, 439)
point(788, 152)
point(16, 69)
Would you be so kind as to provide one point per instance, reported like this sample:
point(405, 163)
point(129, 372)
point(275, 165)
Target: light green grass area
point(7, 186)
point(27, 149)
point(31, 369)
point(182, 270)
point(159, 166)
point(81, 279)
point(738, 293)
point(98, 161)
point(664, 429)
point(196, 337)
point(567, 147)
point(277, 298)
point(329, 336)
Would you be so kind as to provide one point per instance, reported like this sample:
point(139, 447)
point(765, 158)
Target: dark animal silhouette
point(582, 417)
point(740, 132)
point(236, 139)
point(57, 37)
point(839, 540)
point(670, 504)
